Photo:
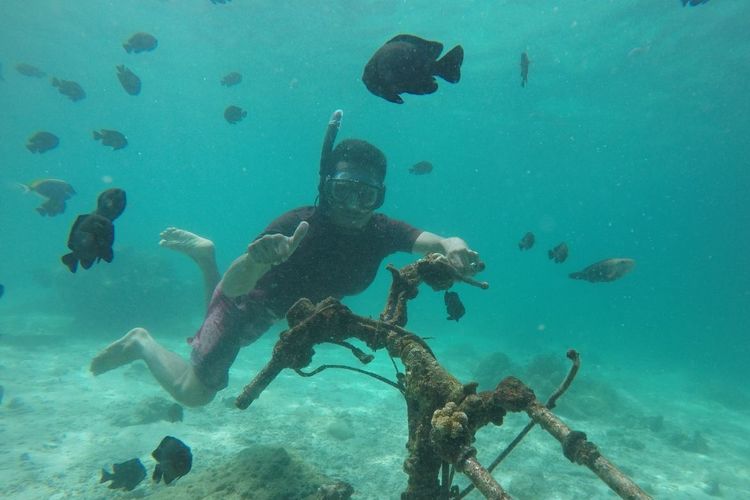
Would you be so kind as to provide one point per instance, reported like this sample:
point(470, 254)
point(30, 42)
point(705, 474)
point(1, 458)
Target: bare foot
point(120, 352)
point(196, 247)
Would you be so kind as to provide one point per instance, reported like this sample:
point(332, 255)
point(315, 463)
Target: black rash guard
point(330, 261)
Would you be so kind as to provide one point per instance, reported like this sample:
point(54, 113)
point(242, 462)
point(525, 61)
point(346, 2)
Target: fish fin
point(576, 276)
point(70, 261)
point(127, 47)
point(106, 476)
point(550, 254)
point(393, 98)
point(108, 254)
point(120, 68)
point(97, 135)
point(434, 48)
point(448, 67)
point(157, 473)
point(86, 264)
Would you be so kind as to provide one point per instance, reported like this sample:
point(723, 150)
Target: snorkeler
point(333, 248)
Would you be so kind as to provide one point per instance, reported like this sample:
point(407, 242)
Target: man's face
point(352, 195)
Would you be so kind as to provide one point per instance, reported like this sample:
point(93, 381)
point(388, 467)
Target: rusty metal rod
point(577, 449)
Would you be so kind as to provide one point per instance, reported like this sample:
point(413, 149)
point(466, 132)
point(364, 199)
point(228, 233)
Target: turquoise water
point(630, 140)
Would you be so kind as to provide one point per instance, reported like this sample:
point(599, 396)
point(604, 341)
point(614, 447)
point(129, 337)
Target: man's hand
point(274, 249)
point(460, 256)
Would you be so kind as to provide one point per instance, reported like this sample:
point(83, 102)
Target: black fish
point(111, 203)
point(29, 70)
point(409, 64)
point(92, 235)
point(234, 114)
point(232, 78)
point(113, 138)
point(140, 42)
point(605, 270)
point(90, 240)
point(693, 3)
point(453, 306)
point(175, 460)
point(527, 241)
point(129, 80)
point(69, 88)
point(42, 142)
point(126, 475)
point(50, 188)
point(421, 168)
point(55, 190)
point(559, 253)
point(51, 207)
point(524, 69)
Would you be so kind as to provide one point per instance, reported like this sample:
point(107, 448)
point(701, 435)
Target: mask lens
point(343, 191)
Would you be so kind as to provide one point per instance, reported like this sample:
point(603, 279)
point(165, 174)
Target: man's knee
point(197, 399)
point(194, 392)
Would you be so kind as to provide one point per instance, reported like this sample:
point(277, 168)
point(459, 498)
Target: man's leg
point(175, 374)
point(200, 249)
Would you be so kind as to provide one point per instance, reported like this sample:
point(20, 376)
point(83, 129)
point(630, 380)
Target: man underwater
point(332, 249)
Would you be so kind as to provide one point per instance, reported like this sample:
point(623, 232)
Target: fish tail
point(25, 189)
point(550, 254)
point(106, 476)
point(70, 261)
point(576, 276)
point(127, 48)
point(55, 82)
point(448, 67)
point(97, 135)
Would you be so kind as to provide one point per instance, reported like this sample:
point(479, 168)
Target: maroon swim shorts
point(229, 325)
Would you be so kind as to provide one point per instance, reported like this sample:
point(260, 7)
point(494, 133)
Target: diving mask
point(354, 189)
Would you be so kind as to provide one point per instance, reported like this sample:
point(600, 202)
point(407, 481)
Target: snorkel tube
point(326, 169)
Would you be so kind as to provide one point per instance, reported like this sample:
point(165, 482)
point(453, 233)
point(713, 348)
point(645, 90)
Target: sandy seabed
point(59, 426)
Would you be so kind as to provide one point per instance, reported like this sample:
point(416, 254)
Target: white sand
point(57, 427)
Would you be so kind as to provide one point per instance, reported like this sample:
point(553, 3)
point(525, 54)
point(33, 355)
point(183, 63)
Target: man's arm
point(261, 255)
point(458, 253)
point(242, 276)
